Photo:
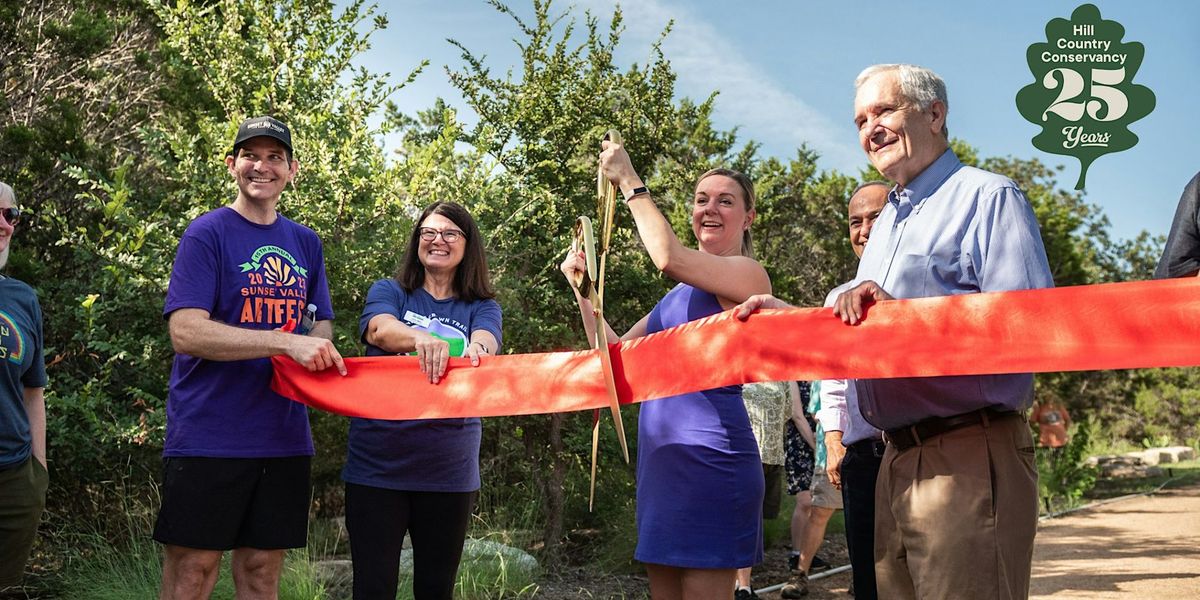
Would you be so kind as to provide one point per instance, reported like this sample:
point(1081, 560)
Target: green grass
point(134, 572)
point(100, 568)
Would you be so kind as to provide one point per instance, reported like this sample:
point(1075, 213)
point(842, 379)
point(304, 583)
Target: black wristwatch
point(635, 192)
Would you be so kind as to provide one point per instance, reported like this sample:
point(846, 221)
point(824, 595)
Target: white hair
point(917, 84)
point(6, 191)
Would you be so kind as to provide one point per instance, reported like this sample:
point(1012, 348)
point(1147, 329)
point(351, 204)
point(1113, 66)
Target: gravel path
point(1146, 547)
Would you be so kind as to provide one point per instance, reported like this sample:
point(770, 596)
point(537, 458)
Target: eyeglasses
point(448, 235)
point(12, 214)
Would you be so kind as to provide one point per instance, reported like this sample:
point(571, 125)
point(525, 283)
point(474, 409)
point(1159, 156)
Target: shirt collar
point(927, 182)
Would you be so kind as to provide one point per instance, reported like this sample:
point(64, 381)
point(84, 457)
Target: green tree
point(79, 84)
point(542, 126)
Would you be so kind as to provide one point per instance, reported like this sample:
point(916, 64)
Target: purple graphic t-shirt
point(251, 276)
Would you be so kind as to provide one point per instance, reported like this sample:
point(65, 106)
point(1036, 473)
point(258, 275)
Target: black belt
point(868, 447)
point(907, 437)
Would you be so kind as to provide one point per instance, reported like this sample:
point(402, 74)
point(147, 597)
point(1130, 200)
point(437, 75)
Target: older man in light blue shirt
point(957, 491)
point(956, 508)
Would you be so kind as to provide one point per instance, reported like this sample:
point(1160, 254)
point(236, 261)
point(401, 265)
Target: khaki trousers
point(955, 516)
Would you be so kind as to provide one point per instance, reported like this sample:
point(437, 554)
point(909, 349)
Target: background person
point(421, 477)
point(854, 446)
point(769, 406)
point(236, 459)
point(699, 476)
point(801, 447)
point(1181, 255)
point(1052, 421)
point(23, 474)
point(825, 500)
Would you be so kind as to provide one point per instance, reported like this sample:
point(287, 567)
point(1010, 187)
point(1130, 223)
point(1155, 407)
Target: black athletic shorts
point(227, 503)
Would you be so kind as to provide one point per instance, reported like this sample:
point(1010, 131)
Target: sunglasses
point(11, 214)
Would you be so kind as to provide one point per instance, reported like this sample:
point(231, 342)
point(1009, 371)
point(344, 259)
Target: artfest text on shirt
point(273, 304)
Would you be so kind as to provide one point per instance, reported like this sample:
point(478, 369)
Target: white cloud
point(705, 61)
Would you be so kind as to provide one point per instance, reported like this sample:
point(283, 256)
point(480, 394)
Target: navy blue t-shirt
point(21, 365)
point(424, 455)
point(255, 277)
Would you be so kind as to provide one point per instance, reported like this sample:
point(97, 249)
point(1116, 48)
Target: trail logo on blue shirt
point(447, 333)
point(12, 343)
point(1082, 95)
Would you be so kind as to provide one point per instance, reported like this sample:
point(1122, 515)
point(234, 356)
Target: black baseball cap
point(263, 126)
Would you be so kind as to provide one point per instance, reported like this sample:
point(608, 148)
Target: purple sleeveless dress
point(699, 475)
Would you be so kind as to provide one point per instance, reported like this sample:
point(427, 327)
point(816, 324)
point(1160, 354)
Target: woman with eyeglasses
point(699, 476)
point(23, 475)
point(421, 477)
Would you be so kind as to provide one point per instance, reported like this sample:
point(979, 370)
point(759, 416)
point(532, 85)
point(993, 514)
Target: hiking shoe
point(818, 565)
point(796, 586)
point(745, 594)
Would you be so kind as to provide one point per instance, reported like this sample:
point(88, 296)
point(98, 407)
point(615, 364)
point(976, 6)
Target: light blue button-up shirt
point(954, 230)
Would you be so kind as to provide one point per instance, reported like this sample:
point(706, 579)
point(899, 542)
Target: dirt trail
point(1141, 548)
point(1145, 547)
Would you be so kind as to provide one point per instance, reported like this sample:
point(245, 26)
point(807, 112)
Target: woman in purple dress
point(699, 476)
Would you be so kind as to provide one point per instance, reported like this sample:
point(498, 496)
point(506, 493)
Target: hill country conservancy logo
point(1083, 95)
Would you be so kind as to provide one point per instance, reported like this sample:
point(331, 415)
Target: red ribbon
point(1108, 326)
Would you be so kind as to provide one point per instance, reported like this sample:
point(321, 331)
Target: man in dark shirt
point(1181, 256)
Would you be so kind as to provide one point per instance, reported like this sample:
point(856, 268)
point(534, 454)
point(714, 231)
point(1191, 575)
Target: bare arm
point(35, 407)
point(730, 278)
point(483, 343)
point(798, 419)
point(194, 332)
point(575, 263)
point(391, 335)
point(322, 329)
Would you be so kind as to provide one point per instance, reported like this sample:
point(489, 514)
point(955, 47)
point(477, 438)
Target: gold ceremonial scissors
point(590, 283)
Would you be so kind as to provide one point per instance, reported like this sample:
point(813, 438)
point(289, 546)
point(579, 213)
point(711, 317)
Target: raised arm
point(732, 278)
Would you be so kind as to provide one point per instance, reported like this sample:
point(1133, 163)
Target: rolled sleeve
point(833, 415)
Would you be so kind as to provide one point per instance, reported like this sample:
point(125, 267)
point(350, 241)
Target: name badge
point(415, 319)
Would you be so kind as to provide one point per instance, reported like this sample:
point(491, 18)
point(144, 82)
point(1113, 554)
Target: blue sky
point(785, 73)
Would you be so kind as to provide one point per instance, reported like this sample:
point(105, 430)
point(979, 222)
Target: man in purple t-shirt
point(237, 455)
